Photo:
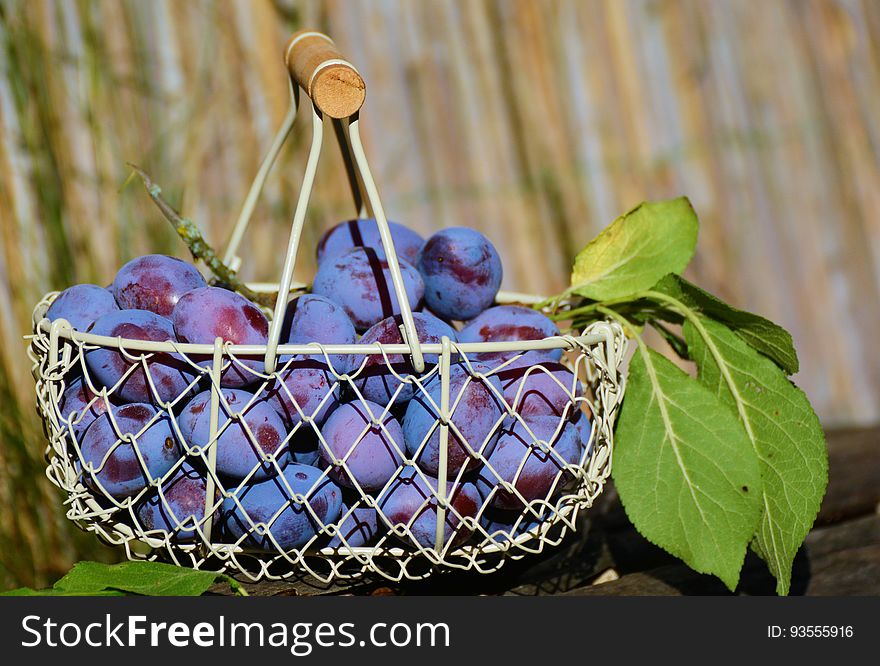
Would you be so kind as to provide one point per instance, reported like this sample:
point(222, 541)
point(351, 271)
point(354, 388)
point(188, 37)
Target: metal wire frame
point(59, 353)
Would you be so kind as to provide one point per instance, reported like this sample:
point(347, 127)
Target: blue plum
point(510, 323)
point(204, 314)
point(477, 410)
point(506, 525)
point(360, 281)
point(178, 507)
point(374, 452)
point(462, 273)
point(517, 459)
point(365, 233)
point(357, 528)
point(238, 455)
point(79, 407)
point(171, 374)
point(155, 282)
point(81, 305)
point(305, 386)
point(376, 380)
point(273, 504)
point(313, 318)
point(115, 466)
point(539, 387)
point(411, 500)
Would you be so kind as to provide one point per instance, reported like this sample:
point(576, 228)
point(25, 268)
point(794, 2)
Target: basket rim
point(63, 330)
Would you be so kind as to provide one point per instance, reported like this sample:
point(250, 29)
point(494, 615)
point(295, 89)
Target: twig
point(197, 244)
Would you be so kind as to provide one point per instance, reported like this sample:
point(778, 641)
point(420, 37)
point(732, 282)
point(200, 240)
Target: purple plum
point(477, 410)
point(81, 305)
point(155, 282)
point(204, 314)
point(312, 318)
point(171, 374)
point(462, 273)
point(112, 464)
point(510, 323)
point(517, 459)
point(360, 281)
point(358, 526)
point(273, 504)
point(365, 233)
point(79, 407)
point(305, 386)
point(411, 500)
point(178, 507)
point(539, 387)
point(376, 380)
point(238, 454)
point(373, 452)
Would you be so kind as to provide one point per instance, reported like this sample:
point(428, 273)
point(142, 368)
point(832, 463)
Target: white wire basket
point(470, 509)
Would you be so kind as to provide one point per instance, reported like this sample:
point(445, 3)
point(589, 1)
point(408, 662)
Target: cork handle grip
point(317, 66)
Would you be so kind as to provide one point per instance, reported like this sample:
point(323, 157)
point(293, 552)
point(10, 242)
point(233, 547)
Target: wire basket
point(452, 501)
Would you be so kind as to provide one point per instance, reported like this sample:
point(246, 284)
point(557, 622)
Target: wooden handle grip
point(318, 67)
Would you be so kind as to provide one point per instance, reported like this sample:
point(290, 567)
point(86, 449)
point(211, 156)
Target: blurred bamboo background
point(536, 121)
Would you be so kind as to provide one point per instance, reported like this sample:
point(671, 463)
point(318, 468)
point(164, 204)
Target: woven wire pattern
point(395, 549)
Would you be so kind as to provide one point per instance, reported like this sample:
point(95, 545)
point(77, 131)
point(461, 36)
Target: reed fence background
point(536, 121)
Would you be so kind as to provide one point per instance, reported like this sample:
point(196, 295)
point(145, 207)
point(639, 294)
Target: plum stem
point(198, 246)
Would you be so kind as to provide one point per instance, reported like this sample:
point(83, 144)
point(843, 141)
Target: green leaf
point(762, 334)
point(636, 250)
point(143, 578)
point(52, 592)
point(784, 431)
point(685, 470)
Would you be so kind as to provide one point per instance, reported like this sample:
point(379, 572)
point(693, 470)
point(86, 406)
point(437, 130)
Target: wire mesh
point(206, 479)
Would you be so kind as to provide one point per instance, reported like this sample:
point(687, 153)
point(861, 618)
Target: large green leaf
point(144, 578)
point(636, 250)
point(762, 334)
point(784, 431)
point(685, 470)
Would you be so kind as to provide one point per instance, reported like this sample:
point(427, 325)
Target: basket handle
point(308, 55)
point(317, 66)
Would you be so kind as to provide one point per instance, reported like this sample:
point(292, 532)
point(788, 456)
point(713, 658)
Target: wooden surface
point(841, 556)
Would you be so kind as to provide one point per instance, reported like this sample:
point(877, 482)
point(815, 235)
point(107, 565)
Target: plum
point(178, 507)
point(411, 500)
point(506, 525)
point(509, 323)
point(360, 281)
point(365, 233)
point(477, 410)
point(81, 305)
point(155, 282)
point(204, 314)
point(303, 382)
point(462, 273)
point(313, 318)
point(79, 407)
point(539, 387)
point(238, 454)
point(171, 374)
point(517, 459)
point(376, 380)
point(273, 503)
point(112, 464)
point(357, 528)
point(373, 452)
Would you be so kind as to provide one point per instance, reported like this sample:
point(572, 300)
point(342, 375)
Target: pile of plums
point(357, 436)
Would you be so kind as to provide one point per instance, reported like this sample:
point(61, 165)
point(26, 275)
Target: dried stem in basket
point(198, 246)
